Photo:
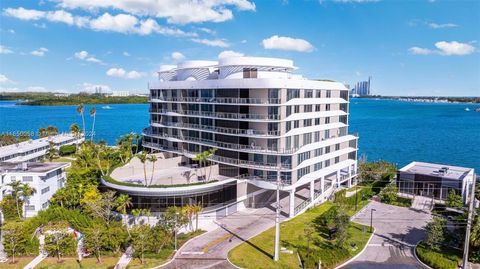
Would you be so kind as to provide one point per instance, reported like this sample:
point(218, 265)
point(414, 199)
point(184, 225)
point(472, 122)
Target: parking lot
point(397, 231)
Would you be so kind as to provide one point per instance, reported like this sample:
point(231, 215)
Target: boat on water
point(106, 107)
point(467, 109)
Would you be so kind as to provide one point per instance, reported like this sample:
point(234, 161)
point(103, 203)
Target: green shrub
point(442, 259)
point(67, 149)
point(9, 208)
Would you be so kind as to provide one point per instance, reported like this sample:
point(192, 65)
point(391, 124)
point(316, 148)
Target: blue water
point(396, 131)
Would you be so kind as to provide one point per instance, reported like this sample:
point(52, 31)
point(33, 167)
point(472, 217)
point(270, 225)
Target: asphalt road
point(397, 231)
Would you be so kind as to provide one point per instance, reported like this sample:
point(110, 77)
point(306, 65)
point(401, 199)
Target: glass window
point(307, 108)
point(296, 141)
point(307, 122)
point(308, 93)
point(329, 94)
point(288, 126)
point(318, 93)
point(288, 142)
point(289, 110)
point(307, 138)
point(297, 109)
point(296, 124)
point(317, 136)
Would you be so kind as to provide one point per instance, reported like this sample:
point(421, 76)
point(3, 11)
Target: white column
point(338, 178)
point(322, 184)
point(312, 190)
point(349, 182)
point(291, 212)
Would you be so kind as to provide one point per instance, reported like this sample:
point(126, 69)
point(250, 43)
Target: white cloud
point(40, 25)
point(229, 53)
point(4, 79)
point(177, 56)
point(287, 43)
point(121, 73)
point(440, 26)
point(212, 42)
point(40, 52)
point(353, 1)
point(175, 11)
point(419, 51)
point(454, 48)
point(207, 30)
point(125, 53)
point(85, 56)
point(244, 41)
point(5, 50)
point(120, 23)
point(36, 89)
point(90, 87)
point(11, 31)
point(445, 48)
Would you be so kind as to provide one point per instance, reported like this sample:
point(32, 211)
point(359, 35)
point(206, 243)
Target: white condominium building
point(45, 178)
point(264, 121)
point(35, 150)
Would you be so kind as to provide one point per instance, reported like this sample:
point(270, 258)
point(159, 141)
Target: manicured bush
point(442, 259)
point(67, 149)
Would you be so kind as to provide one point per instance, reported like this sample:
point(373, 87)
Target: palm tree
point(143, 158)
point(137, 139)
point(93, 113)
point(123, 202)
point(80, 110)
point(204, 157)
point(26, 191)
point(16, 186)
point(52, 151)
point(152, 158)
point(189, 212)
point(75, 130)
point(197, 209)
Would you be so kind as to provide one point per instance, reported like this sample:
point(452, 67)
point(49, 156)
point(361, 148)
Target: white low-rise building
point(45, 178)
point(36, 150)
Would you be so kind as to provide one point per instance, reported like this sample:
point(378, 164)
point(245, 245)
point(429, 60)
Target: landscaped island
point(50, 99)
point(430, 99)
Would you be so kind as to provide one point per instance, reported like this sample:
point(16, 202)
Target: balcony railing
point(221, 115)
point(220, 100)
point(217, 129)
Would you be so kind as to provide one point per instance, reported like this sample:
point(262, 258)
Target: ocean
point(397, 131)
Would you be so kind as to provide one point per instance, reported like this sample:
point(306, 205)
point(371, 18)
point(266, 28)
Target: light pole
point(277, 221)
point(371, 219)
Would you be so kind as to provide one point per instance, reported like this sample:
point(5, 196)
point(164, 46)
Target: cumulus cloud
point(125, 53)
point(440, 26)
point(5, 50)
point(122, 73)
point(85, 56)
point(229, 53)
point(174, 11)
point(445, 48)
point(4, 79)
point(177, 56)
point(212, 42)
point(287, 43)
point(120, 23)
point(40, 52)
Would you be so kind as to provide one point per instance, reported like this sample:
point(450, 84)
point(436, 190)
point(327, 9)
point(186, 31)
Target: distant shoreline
point(427, 99)
point(50, 99)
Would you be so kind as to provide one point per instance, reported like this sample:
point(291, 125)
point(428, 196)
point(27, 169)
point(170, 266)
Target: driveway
point(397, 231)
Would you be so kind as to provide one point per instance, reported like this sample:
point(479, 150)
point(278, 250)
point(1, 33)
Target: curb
point(358, 254)
point(416, 257)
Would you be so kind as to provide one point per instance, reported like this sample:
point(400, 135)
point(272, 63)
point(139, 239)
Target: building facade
point(45, 178)
point(435, 180)
point(36, 150)
point(265, 122)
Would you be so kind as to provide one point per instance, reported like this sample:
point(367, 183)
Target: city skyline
point(408, 48)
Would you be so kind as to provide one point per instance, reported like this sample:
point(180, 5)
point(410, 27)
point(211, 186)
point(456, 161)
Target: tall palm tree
point(26, 191)
point(16, 186)
point(52, 151)
point(137, 139)
point(80, 110)
point(93, 113)
point(153, 159)
point(143, 158)
point(197, 209)
point(123, 202)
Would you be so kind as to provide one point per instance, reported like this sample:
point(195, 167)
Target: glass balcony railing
point(221, 115)
point(219, 100)
point(252, 132)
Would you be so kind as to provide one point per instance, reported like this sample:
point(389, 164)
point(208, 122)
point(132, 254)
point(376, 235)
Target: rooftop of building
point(30, 167)
point(437, 170)
point(34, 144)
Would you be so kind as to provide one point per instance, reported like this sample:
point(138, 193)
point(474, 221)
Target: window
point(258, 173)
point(308, 93)
point(327, 120)
point(318, 93)
point(307, 122)
point(44, 190)
point(303, 156)
point(303, 171)
point(297, 109)
point(317, 166)
point(307, 138)
point(272, 159)
point(258, 158)
point(317, 121)
point(288, 126)
point(327, 163)
point(327, 149)
point(27, 179)
point(329, 94)
point(307, 108)
point(296, 124)
point(44, 205)
point(337, 159)
point(317, 136)
point(249, 72)
point(327, 107)
point(289, 110)
point(327, 134)
point(337, 146)
point(272, 144)
point(30, 207)
point(293, 93)
point(296, 141)
point(318, 152)
point(317, 108)
point(273, 110)
point(288, 142)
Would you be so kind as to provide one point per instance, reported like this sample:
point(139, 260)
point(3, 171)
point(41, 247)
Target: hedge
point(443, 259)
point(67, 149)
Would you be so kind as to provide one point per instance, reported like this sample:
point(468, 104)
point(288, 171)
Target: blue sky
point(419, 47)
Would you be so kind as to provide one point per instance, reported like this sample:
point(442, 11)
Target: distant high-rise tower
point(362, 88)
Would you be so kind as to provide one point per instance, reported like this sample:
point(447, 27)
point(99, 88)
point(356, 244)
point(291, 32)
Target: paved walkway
point(210, 250)
point(422, 203)
point(397, 230)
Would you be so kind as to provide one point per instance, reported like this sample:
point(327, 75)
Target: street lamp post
point(371, 219)
point(277, 221)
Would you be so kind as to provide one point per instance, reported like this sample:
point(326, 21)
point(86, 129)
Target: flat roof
point(34, 144)
point(433, 169)
point(32, 167)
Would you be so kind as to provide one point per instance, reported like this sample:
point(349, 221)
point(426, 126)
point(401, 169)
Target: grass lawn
point(20, 262)
point(71, 263)
point(62, 160)
point(258, 251)
point(403, 202)
point(445, 258)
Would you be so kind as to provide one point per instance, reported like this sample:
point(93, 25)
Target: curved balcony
point(215, 129)
point(219, 115)
point(218, 100)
